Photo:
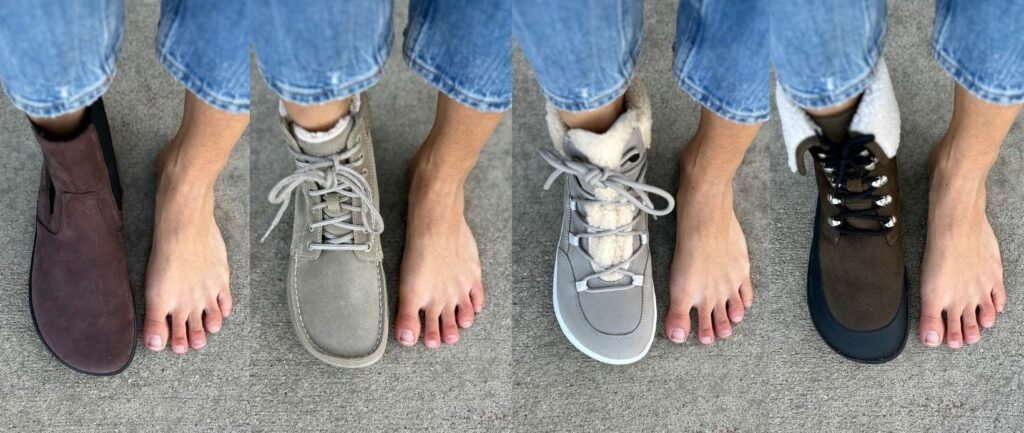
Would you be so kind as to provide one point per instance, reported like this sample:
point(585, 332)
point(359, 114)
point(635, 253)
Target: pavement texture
point(160, 391)
point(514, 370)
point(774, 373)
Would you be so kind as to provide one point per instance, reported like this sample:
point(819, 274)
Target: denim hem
point(446, 85)
point(65, 106)
point(301, 95)
point(198, 88)
point(589, 104)
point(846, 93)
point(716, 105)
point(971, 83)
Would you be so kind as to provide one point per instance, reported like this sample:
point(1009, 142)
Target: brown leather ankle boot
point(80, 296)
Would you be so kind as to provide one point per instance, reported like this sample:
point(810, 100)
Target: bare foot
point(710, 269)
point(440, 276)
point(187, 290)
point(962, 271)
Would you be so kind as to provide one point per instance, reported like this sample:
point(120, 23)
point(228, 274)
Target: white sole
point(579, 346)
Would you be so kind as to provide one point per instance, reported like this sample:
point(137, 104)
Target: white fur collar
point(877, 114)
point(605, 150)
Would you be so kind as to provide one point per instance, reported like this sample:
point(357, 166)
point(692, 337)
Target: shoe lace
point(626, 191)
point(852, 160)
point(333, 174)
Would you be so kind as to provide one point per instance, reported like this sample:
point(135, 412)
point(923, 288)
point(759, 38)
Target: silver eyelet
point(880, 182)
point(870, 167)
point(891, 223)
point(834, 222)
point(832, 199)
point(828, 170)
point(885, 200)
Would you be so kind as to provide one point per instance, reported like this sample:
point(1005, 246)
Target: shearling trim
point(322, 136)
point(606, 150)
point(608, 251)
point(878, 114)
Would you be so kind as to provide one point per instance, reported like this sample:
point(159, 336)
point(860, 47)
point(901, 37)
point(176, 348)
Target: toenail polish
point(405, 337)
point(678, 335)
point(931, 338)
point(155, 343)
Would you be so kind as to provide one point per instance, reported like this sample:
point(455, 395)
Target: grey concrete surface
point(465, 387)
point(203, 391)
point(775, 373)
point(514, 370)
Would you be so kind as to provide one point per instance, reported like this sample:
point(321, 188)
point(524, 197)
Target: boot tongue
point(607, 151)
point(324, 144)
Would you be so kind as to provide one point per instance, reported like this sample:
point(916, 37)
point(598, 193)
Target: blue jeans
point(721, 56)
point(724, 50)
point(328, 50)
point(974, 41)
point(57, 56)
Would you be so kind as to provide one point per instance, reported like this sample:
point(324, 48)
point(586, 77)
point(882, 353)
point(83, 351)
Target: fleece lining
point(317, 137)
point(606, 150)
point(878, 114)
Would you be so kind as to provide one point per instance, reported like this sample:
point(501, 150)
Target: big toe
point(931, 329)
point(155, 329)
point(677, 322)
point(407, 325)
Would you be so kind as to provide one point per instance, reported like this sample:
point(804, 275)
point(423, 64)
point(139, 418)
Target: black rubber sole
point(99, 118)
point(869, 347)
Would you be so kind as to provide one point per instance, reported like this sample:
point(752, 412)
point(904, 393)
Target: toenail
point(200, 345)
point(738, 319)
point(405, 337)
point(707, 340)
point(678, 335)
point(179, 349)
point(214, 329)
point(155, 343)
point(433, 344)
point(931, 337)
point(954, 344)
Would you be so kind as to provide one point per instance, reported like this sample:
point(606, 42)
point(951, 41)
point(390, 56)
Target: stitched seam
point(302, 323)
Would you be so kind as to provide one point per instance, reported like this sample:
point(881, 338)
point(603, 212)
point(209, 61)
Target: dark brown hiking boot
point(80, 296)
point(856, 282)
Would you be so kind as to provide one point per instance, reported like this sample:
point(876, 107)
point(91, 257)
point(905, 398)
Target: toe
point(196, 332)
point(722, 326)
point(155, 329)
point(225, 302)
point(677, 322)
point(407, 323)
point(931, 328)
point(747, 292)
point(212, 318)
point(999, 296)
point(987, 313)
point(954, 336)
point(449, 327)
point(735, 307)
point(705, 332)
point(431, 329)
point(972, 334)
point(476, 295)
point(179, 336)
point(464, 312)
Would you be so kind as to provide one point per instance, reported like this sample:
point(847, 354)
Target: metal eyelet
point(891, 223)
point(885, 200)
point(880, 182)
point(832, 199)
point(834, 222)
point(828, 170)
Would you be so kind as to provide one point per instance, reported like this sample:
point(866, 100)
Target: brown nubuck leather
point(81, 298)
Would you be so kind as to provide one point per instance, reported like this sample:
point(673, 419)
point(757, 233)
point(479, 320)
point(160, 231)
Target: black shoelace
point(851, 160)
